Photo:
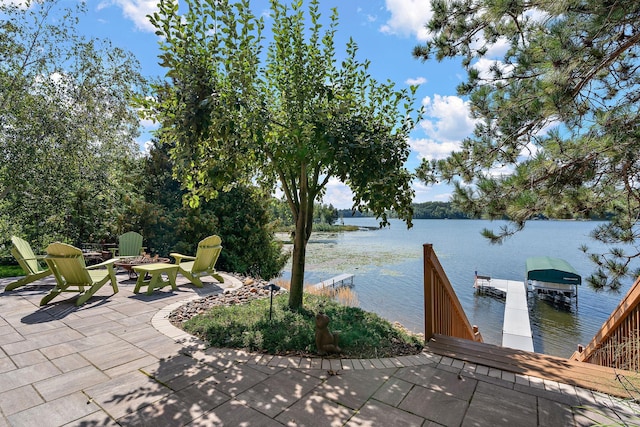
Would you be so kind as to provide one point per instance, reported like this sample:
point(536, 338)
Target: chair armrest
point(180, 257)
point(107, 263)
point(39, 259)
point(36, 258)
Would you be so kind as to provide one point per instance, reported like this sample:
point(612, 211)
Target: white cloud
point(145, 146)
point(484, 66)
point(537, 15)
point(135, 10)
point(447, 122)
point(449, 119)
point(341, 197)
point(416, 81)
point(431, 193)
point(338, 194)
point(432, 150)
point(499, 48)
point(149, 124)
point(408, 18)
point(21, 4)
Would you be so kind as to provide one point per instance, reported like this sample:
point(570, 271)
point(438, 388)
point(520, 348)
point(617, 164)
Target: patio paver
point(117, 361)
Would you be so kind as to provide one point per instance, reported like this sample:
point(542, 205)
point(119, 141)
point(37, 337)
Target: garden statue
point(326, 342)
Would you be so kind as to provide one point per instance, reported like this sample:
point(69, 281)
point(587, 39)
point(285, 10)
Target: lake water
point(388, 268)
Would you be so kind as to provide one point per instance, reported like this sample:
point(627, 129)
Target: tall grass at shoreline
point(344, 295)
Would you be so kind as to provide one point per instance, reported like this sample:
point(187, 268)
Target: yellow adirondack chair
point(72, 274)
point(129, 245)
point(29, 262)
point(203, 264)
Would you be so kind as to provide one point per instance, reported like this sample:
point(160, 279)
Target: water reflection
point(551, 324)
point(491, 310)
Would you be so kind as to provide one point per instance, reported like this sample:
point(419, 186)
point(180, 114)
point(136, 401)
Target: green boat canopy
point(553, 270)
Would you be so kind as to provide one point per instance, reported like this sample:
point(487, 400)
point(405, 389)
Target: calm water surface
point(387, 264)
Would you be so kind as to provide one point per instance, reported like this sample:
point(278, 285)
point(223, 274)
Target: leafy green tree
point(437, 210)
point(280, 212)
point(240, 216)
point(248, 232)
point(325, 214)
point(238, 112)
point(560, 108)
point(67, 129)
point(322, 214)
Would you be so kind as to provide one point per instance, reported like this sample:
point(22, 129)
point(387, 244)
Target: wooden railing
point(616, 345)
point(443, 313)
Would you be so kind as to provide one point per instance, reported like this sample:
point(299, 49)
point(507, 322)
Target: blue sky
point(386, 32)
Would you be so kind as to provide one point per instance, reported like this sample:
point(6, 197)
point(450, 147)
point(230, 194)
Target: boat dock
point(334, 282)
point(516, 328)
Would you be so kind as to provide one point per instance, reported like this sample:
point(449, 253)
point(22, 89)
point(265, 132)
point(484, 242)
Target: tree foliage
point(239, 107)
point(322, 213)
point(558, 111)
point(437, 210)
point(240, 216)
point(67, 129)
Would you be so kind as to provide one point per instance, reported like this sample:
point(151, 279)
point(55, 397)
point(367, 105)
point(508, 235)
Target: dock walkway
point(516, 328)
point(335, 282)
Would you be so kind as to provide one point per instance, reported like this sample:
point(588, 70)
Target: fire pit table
point(128, 263)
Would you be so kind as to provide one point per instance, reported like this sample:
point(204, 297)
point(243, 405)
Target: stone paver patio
point(117, 361)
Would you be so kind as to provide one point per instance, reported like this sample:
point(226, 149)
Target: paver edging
point(161, 323)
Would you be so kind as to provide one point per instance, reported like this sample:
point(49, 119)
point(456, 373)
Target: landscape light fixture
point(273, 288)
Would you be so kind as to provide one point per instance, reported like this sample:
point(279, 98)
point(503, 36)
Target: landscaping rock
point(251, 289)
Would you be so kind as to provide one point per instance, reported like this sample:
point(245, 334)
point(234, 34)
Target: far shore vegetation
point(330, 219)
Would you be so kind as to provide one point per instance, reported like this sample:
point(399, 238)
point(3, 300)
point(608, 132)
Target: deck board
point(586, 375)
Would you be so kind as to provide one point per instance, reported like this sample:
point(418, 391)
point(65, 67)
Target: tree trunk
point(304, 223)
point(297, 265)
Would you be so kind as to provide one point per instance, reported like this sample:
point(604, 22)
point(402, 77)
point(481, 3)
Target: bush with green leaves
point(362, 334)
point(239, 215)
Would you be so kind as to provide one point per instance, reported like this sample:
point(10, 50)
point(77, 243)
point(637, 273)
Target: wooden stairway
point(625, 384)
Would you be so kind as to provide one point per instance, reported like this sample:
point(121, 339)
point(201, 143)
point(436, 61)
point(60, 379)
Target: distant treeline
point(446, 210)
point(426, 210)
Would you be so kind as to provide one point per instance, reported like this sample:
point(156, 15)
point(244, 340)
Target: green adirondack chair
point(29, 262)
point(72, 274)
point(203, 264)
point(129, 245)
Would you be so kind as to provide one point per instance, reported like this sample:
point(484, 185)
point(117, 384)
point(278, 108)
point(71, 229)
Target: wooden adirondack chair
point(129, 244)
point(72, 274)
point(203, 264)
point(30, 263)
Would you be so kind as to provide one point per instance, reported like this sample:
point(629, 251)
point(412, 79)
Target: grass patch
point(10, 271)
point(362, 334)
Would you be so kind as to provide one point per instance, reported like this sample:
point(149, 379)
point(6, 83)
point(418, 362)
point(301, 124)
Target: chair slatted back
point(23, 253)
point(67, 263)
point(130, 244)
point(207, 254)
